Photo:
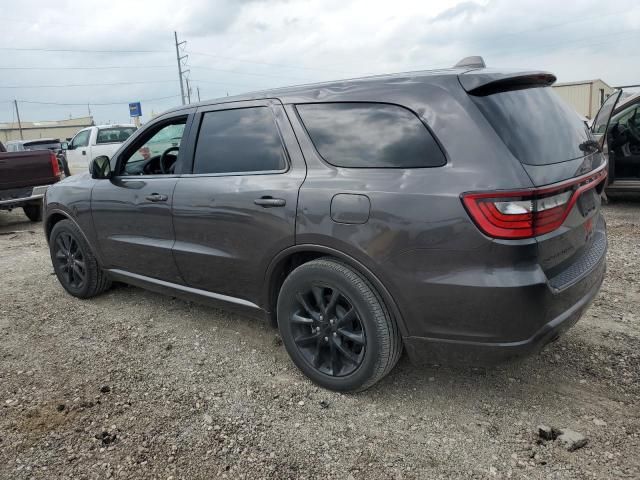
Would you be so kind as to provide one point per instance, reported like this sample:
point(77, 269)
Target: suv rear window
point(536, 124)
point(370, 135)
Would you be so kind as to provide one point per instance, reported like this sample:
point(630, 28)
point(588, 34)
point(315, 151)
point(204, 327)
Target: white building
point(586, 96)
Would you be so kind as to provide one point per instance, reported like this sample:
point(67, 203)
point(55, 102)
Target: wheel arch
point(292, 257)
point(56, 215)
point(51, 221)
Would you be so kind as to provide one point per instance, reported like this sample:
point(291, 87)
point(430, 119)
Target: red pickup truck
point(24, 178)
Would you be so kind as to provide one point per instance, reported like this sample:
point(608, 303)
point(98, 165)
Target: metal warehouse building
point(61, 129)
point(586, 96)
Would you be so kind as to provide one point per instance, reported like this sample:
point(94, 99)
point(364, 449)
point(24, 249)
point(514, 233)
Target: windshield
point(536, 125)
point(114, 134)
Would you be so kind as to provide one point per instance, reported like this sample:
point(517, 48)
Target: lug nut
point(321, 318)
point(326, 339)
point(335, 334)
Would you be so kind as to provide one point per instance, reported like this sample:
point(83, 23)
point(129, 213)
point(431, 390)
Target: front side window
point(236, 141)
point(370, 135)
point(81, 139)
point(156, 151)
point(114, 134)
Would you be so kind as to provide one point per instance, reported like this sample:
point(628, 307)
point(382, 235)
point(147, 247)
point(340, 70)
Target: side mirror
point(64, 146)
point(100, 167)
point(70, 146)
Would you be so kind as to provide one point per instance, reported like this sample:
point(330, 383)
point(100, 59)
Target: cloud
point(237, 46)
point(461, 11)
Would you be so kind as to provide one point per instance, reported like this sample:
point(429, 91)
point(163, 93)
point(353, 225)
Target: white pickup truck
point(94, 141)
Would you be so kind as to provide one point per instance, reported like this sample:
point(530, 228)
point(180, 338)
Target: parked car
point(53, 144)
point(621, 142)
point(452, 213)
point(24, 178)
point(91, 142)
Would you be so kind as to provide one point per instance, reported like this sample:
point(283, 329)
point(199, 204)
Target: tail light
point(54, 164)
point(528, 213)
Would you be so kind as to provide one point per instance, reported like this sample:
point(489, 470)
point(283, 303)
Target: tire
point(73, 261)
point(326, 308)
point(64, 167)
point(33, 211)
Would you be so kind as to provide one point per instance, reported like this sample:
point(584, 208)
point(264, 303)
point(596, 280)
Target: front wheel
point(73, 261)
point(335, 326)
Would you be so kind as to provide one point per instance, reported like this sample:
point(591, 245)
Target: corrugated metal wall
point(586, 98)
point(578, 96)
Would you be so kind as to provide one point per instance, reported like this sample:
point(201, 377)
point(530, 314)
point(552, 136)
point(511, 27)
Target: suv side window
point(370, 135)
point(81, 139)
point(156, 151)
point(239, 141)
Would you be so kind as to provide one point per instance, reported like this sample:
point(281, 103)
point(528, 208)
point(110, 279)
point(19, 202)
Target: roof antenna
point(475, 61)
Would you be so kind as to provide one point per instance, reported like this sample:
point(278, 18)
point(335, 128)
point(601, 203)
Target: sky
point(98, 56)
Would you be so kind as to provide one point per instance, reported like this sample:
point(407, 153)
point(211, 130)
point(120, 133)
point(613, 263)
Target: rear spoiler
point(483, 83)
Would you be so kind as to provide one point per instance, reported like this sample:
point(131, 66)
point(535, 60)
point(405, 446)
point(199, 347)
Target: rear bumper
point(34, 194)
point(455, 352)
point(499, 315)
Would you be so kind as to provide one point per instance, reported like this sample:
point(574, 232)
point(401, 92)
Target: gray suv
point(451, 213)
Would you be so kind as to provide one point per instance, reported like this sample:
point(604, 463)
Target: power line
point(87, 84)
point(110, 67)
point(237, 72)
point(84, 104)
point(76, 50)
point(235, 59)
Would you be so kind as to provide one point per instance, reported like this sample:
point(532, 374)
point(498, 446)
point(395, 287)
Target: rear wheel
point(335, 326)
point(33, 212)
point(74, 263)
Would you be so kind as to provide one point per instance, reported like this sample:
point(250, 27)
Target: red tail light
point(54, 164)
point(528, 213)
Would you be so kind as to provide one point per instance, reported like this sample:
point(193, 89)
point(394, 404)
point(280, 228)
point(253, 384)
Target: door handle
point(84, 152)
point(156, 197)
point(268, 202)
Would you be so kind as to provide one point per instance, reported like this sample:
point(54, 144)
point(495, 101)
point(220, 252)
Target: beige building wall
point(586, 97)
point(61, 129)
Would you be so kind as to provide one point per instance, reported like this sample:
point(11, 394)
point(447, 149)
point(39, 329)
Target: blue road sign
point(135, 109)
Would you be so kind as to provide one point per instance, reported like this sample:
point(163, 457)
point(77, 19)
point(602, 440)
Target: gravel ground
point(135, 385)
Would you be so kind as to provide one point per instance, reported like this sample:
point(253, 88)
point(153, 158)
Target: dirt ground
point(135, 385)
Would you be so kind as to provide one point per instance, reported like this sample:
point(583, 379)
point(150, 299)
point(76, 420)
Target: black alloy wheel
point(74, 263)
point(70, 260)
point(328, 332)
point(336, 327)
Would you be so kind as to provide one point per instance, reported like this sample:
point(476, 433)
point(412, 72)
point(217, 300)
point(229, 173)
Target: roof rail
point(475, 61)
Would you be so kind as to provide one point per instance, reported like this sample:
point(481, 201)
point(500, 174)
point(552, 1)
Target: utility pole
point(188, 91)
point(15, 102)
point(198, 89)
point(179, 58)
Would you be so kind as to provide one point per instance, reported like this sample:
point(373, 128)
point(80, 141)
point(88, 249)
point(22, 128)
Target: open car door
point(600, 124)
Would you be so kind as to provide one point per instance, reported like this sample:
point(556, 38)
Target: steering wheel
point(632, 127)
point(163, 158)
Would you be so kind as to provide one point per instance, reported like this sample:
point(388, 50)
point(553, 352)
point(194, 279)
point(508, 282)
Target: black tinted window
point(242, 140)
point(538, 126)
point(372, 135)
